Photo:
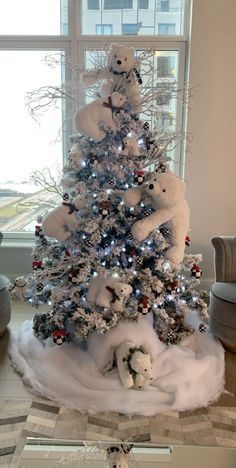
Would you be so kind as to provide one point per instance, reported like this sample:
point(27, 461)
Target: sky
point(26, 146)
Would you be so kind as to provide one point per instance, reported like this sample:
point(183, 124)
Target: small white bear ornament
point(116, 457)
point(76, 158)
point(108, 292)
point(130, 147)
point(167, 193)
point(100, 111)
point(134, 365)
point(61, 221)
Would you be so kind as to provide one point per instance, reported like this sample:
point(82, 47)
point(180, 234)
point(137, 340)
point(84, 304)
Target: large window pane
point(34, 17)
point(129, 17)
point(25, 144)
point(161, 82)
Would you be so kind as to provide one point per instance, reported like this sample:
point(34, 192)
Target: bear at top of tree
point(121, 64)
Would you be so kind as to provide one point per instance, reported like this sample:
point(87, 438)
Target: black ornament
point(138, 177)
point(196, 271)
point(44, 241)
point(202, 327)
point(187, 241)
point(39, 287)
point(144, 306)
point(146, 126)
point(65, 196)
point(59, 337)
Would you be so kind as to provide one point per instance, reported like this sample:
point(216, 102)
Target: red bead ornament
point(171, 287)
point(138, 177)
point(37, 265)
point(187, 241)
point(196, 271)
point(144, 305)
point(59, 336)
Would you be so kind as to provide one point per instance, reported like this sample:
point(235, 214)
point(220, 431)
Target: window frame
point(74, 45)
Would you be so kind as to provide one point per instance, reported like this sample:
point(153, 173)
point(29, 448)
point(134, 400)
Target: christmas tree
point(112, 255)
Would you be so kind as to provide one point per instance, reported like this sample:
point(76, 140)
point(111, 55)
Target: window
point(117, 4)
point(131, 28)
point(166, 29)
point(164, 5)
point(93, 4)
point(143, 4)
point(103, 29)
point(58, 35)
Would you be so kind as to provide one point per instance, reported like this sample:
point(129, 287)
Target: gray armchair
point(222, 308)
point(5, 302)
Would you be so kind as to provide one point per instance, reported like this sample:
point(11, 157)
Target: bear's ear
point(132, 51)
point(131, 350)
point(114, 46)
point(124, 359)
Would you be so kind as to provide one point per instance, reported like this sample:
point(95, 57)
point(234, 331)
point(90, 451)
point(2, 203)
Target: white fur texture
point(55, 222)
point(139, 362)
point(88, 118)
point(132, 93)
point(167, 193)
point(185, 377)
point(131, 147)
point(117, 459)
point(76, 157)
point(98, 294)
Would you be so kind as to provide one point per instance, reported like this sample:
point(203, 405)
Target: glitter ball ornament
point(196, 271)
point(65, 196)
point(89, 242)
point(111, 181)
point(39, 287)
point(187, 241)
point(138, 177)
point(73, 275)
point(59, 337)
point(165, 231)
point(144, 306)
point(202, 327)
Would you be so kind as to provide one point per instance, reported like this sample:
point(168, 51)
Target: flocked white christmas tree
point(113, 253)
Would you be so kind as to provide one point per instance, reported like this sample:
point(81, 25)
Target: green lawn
point(11, 210)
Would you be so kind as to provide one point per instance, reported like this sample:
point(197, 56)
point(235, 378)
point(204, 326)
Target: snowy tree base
point(186, 376)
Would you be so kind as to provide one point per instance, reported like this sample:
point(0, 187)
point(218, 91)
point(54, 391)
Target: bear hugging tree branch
point(167, 193)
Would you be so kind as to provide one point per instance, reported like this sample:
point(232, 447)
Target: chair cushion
point(225, 291)
point(3, 282)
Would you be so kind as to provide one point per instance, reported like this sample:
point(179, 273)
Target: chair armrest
point(225, 258)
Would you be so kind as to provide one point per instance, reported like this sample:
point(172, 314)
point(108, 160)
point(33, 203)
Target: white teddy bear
point(134, 365)
point(132, 93)
point(100, 111)
point(130, 147)
point(108, 292)
point(116, 458)
point(61, 221)
point(120, 74)
point(167, 193)
point(76, 157)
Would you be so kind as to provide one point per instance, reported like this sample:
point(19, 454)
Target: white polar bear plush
point(130, 147)
point(76, 157)
point(108, 292)
point(132, 92)
point(61, 221)
point(116, 458)
point(120, 62)
point(167, 193)
point(100, 111)
point(134, 365)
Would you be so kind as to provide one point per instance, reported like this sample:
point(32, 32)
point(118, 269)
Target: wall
point(211, 165)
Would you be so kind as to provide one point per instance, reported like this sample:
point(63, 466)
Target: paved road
point(8, 200)
point(21, 220)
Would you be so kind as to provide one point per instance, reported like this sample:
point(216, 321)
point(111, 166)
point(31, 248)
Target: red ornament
point(38, 231)
point(144, 305)
point(171, 287)
point(37, 265)
point(196, 271)
point(187, 241)
point(59, 336)
point(139, 176)
point(104, 208)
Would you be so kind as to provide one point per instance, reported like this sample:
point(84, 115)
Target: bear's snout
point(118, 62)
point(151, 186)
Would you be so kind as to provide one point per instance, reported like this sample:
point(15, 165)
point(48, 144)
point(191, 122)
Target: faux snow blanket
point(186, 376)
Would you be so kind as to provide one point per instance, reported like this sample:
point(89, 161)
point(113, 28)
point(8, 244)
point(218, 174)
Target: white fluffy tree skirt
point(185, 377)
